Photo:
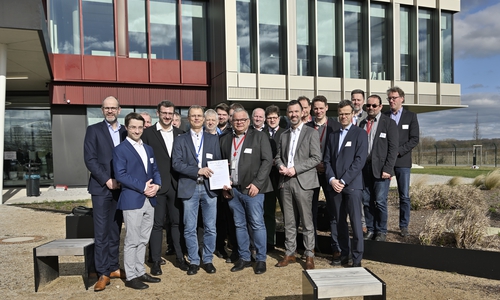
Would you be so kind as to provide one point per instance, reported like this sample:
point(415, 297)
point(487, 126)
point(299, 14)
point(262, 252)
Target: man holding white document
point(250, 160)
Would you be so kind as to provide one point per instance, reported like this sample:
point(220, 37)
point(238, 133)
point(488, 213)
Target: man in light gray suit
point(297, 157)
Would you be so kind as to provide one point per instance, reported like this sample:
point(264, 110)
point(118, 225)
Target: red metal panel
point(75, 94)
point(133, 70)
point(195, 72)
point(165, 71)
point(67, 67)
point(57, 95)
point(193, 97)
point(101, 68)
point(133, 96)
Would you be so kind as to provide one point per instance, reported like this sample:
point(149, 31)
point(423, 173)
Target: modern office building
point(60, 58)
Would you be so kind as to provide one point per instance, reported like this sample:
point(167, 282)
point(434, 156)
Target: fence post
point(454, 146)
point(435, 146)
point(495, 154)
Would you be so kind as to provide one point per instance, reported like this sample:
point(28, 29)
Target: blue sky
point(477, 70)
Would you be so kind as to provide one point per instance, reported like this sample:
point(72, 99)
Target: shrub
point(454, 181)
point(492, 180)
point(479, 180)
point(444, 196)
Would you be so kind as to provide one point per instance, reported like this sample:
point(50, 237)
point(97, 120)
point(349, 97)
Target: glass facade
point(425, 46)
point(379, 42)
point(245, 36)
point(164, 29)
point(305, 55)
point(271, 37)
point(446, 47)
point(137, 33)
point(354, 46)
point(98, 27)
point(327, 27)
point(194, 30)
point(405, 47)
point(64, 26)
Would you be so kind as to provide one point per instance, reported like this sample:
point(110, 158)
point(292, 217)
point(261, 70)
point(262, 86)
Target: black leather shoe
point(240, 265)
point(156, 268)
point(193, 269)
point(182, 264)
point(162, 261)
point(221, 254)
point(344, 260)
point(232, 259)
point(136, 284)
point(404, 232)
point(148, 278)
point(368, 235)
point(381, 237)
point(356, 265)
point(170, 251)
point(260, 267)
point(209, 268)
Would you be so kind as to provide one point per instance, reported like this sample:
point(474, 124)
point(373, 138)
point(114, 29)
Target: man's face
point(176, 122)
point(306, 109)
point(358, 101)
point(320, 109)
point(273, 120)
point(196, 118)
point(231, 112)
point(211, 122)
point(134, 129)
point(165, 116)
point(345, 116)
point(395, 101)
point(373, 111)
point(294, 113)
point(258, 118)
point(223, 117)
point(240, 122)
point(147, 121)
point(110, 109)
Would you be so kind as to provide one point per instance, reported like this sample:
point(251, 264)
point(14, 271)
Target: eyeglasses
point(110, 108)
point(392, 98)
point(240, 120)
point(272, 118)
point(372, 105)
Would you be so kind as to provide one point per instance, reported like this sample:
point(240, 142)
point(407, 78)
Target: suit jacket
point(347, 163)
point(98, 154)
point(332, 126)
point(130, 172)
point(184, 162)
point(385, 146)
point(307, 156)
point(255, 164)
point(409, 133)
point(153, 138)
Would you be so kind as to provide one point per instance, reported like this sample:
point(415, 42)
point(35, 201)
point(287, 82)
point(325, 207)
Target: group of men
point(352, 158)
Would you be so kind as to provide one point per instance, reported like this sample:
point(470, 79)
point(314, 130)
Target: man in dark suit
point(296, 159)
point(274, 131)
point(345, 156)
point(324, 126)
point(358, 100)
point(100, 139)
point(250, 159)
point(135, 169)
point(379, 168)
point(161, 138)
point(409, 133)
point(190, 154)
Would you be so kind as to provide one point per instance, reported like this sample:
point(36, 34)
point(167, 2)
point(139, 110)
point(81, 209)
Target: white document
point(220, 177)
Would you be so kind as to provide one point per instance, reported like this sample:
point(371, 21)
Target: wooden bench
point(46, 259)
point(345, 282)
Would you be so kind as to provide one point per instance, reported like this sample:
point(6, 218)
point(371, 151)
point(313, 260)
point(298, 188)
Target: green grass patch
point(462, 171)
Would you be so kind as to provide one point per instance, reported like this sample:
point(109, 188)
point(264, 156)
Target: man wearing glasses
point(379, 168)
point(409, 133)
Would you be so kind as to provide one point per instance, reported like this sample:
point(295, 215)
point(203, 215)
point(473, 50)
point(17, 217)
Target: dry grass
point(442, 196)
point(492, 180)
point(479, 180)
point(454, 181)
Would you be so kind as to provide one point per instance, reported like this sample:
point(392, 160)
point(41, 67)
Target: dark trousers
point(107, 227)
point(270, 209)
point(225, 226)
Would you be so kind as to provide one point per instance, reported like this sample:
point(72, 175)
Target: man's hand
point(386, 175)
point(112, 184)
point(252, 190)
point(151, 189)
point(283, 170)
point(320, 168)
point(205, 172)
point(291, 172)
point(337, 185)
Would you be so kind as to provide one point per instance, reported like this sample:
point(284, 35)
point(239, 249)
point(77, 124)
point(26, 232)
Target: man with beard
point(222, 110)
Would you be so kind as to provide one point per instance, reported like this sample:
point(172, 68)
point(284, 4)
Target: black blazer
point(385, 146)
point(409, 132)
point(256, 159)
point(333, 125)
point(153, 138)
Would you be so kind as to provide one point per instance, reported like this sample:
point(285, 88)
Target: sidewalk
point(18, 195)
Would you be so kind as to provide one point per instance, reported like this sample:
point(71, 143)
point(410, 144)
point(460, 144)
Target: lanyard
point(323, 132)
point(237, 146)
point(199, 148)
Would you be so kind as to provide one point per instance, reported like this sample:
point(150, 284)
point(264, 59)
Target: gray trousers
point(295, 198)
point(138, 225)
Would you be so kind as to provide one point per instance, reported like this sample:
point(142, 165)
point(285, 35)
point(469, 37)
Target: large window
point(354, 48)
point(304, 51)
point(64, 26)
point(406, 48)
point(137, 34)
point(447, 47)
point(379, 41)
point(194, 30)
point(245, 36)
point(425, 46)
point(98, 27)
point(164, 29)
point(271, 37)
point(328, 65)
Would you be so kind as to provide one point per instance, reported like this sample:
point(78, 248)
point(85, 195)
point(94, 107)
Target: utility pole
point(476, 134)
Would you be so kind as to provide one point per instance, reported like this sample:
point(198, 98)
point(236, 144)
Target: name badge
point(248, 151)
point(152, 160)
point(348, 144)
point(210, 156)
point(382, 135)
point(405, 126)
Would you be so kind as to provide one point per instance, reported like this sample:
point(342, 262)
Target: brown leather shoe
point(288, 259)
point(309, 263)
point(101, 283)
point(118, 274)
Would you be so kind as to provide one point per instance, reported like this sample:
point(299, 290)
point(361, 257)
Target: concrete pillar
point(3, 90)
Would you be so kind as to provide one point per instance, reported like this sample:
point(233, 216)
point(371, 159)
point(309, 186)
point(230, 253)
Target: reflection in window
point(245, 34)
point(271, 37)
point(327, 39)
point(98, 28)
point(304, 51)
point(64, 26)
point(425, 40)
point(137, 37)
point(447, 47)
point(379, 41)
point(164, 33)
point(194, 30)
point(353, 40)
point(405, 48)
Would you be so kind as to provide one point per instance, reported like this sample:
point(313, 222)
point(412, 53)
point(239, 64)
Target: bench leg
point(309, 288)
point(46, 269)
point(378, 297)
point(90, 275)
